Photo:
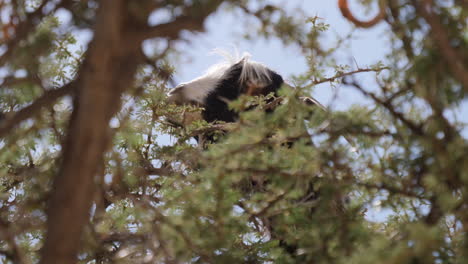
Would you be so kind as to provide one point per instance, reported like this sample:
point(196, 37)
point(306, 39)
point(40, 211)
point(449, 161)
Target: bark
point(107, 71)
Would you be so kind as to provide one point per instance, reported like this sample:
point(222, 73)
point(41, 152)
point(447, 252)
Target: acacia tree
point(85, 177)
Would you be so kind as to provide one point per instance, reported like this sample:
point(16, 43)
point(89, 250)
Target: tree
point(85, 178)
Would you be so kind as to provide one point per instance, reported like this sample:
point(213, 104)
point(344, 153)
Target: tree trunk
point(108, 70)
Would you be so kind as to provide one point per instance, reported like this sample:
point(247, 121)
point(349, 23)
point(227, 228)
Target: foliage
point(295, 184)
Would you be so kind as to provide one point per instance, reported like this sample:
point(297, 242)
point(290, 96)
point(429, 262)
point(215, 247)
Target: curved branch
point(343, 5)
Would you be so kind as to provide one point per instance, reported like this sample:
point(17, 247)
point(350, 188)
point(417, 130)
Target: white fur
point(254, 72)
point(197, 90)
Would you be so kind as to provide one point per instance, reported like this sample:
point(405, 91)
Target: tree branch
point(453, 60)
point(172, 29)
point(48, 98)
point(344, 8)
point(15, 253)
point(107, 71)
point(192, 20)
point(416, 128)
point(24, 28)
point(344, 74)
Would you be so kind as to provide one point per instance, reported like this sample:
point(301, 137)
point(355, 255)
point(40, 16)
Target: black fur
point(229, 89)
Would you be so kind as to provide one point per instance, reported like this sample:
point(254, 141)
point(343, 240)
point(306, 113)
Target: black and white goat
point(223, 83)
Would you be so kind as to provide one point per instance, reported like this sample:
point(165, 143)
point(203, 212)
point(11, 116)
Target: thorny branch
point(49, 97)
point(416, 128)
point(344, 74)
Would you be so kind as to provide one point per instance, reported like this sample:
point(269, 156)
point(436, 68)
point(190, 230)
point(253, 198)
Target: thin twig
point(344, 74)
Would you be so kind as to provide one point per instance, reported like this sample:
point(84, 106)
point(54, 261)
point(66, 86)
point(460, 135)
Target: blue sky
point(367, 47)
point(223, 31)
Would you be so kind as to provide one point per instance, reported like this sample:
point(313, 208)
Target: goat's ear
point(176, 95)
